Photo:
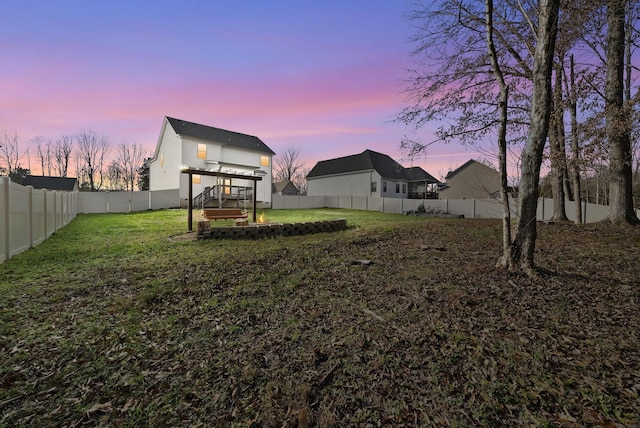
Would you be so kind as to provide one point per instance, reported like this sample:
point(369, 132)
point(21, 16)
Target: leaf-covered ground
point(304, 332)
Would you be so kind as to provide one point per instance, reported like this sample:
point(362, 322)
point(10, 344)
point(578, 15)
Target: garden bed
point(268, 230)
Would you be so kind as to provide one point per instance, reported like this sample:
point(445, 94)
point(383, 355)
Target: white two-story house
point(183, 144)
point(370, 174)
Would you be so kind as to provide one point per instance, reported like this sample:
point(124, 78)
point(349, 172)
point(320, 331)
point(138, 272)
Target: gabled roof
point(65, 184)
point(415, 173)
point(217, 135)
point(466, 165)
point(367, 161)
point(279, 186)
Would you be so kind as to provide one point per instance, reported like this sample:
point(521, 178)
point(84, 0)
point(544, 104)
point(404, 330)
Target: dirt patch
point(189, 236)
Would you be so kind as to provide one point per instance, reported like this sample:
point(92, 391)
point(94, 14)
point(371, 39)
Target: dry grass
point(296, 332)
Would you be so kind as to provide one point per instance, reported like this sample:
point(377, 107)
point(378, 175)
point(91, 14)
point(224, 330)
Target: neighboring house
point(183, 144)
point(472, 180)
point(63, 184)
point(285, 188)
point(369, 174)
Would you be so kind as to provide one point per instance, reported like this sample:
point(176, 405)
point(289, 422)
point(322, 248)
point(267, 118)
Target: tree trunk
point(558, 154)
point(502, 136)
point(618, 120)
point(575, 148)
point(523, 245)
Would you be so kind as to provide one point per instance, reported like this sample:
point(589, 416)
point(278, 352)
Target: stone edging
point(272, 230)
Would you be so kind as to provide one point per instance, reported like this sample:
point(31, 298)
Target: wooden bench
point(223, 213)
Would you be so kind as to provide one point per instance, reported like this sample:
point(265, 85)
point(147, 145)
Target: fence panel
point(488, 208)
point(436, 206)
point(376, 204)
point(92, 202)
point(359, 203)
point(164, 199)
point(50, 221)
point(38, 217)
point(118, 202)
point(19, 218)
point(463, 207)
point(344, 202)
point(393, 205)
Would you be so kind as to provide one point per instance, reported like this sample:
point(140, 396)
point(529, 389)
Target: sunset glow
point(324, 77)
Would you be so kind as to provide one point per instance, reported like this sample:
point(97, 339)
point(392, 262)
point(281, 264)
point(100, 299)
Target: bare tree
point(115, 177)
point(129, 158)
point(523, 245)
point(43, 154)
point(287, 165)
point(92, 151)
point(10, 153)
point(503, 107)
point(62, 150)
point(300, 180)
point(558, 154)
point(575, 162)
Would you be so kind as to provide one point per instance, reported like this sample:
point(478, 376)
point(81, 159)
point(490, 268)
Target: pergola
point(191, 171)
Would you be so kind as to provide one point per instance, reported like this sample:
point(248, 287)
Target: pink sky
point(323, 77)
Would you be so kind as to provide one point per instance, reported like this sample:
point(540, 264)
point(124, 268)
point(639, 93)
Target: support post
point(190, 203)
point(254, 198)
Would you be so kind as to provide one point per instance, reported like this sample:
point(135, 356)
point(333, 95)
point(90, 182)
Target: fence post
point(4, 182)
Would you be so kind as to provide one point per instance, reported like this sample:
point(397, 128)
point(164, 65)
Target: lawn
point(127, 320)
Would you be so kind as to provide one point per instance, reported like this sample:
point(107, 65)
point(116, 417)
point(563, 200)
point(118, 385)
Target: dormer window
point(202, 151)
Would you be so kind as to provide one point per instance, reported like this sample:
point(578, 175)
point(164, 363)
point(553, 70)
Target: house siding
point(355, 184)
point(180, 151)
point(474, 181)
point(164, 177)
point(391, 188)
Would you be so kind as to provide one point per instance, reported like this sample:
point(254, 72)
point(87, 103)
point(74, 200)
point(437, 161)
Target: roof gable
point(467, 164)
point(66, 184)
point(280, 186)
point(217, 135)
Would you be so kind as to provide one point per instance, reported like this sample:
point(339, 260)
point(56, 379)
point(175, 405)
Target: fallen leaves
point(288, 333)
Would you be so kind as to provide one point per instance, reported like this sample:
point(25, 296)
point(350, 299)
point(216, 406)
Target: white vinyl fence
point(125, 202)
point(28, 216)
point(470, 208)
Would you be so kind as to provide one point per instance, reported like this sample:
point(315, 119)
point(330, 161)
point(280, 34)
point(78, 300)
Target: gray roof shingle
point(66, 184)
point(370, 160)
point(221, 136)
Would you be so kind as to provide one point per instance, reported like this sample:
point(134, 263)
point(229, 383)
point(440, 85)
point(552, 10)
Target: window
point(202, 151)
point(397, 187)
point(264, 160)
point(195, 178)
point(227, 186)
point(384, 186)
point(404, 188)
point(161, 159)
point(374, 186)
